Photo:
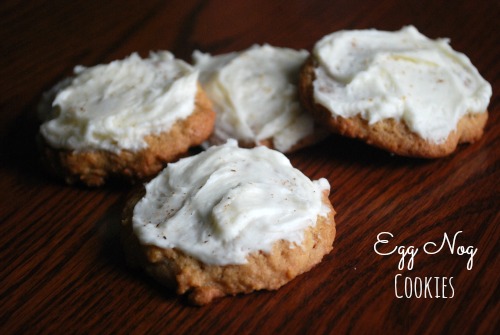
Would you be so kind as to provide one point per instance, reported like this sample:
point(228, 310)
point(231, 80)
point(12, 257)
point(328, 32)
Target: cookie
point(255, 97)
point(125, 119)
point(228, 221)
point(399, 91)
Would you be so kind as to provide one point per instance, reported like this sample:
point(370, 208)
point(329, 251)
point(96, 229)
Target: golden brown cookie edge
point(388, 134)
point(203, 283)
point(95, 167)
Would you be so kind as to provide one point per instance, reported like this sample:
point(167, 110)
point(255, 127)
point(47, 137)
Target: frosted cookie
point(228, 220)
point(125, 119)
point(399, 91)
point(255, 97)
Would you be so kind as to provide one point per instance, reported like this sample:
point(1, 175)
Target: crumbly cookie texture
point(229, 220)
point(202, 283)
point(398, 90)
point(388, 134)
point(95, 167)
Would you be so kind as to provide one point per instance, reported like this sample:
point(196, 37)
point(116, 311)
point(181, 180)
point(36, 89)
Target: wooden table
point(62, 268)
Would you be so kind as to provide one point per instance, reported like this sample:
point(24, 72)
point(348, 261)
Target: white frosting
point(227, 202)
point(114, 106)
point(402, 75)
point(255, 95)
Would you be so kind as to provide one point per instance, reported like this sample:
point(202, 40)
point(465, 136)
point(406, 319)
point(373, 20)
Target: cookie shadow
point(112, 254)
point(18, 146)
point(337, 149)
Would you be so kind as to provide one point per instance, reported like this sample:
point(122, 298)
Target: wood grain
point(62, 268)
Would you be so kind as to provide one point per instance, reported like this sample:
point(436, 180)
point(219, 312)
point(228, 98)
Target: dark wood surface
point(62, 268)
